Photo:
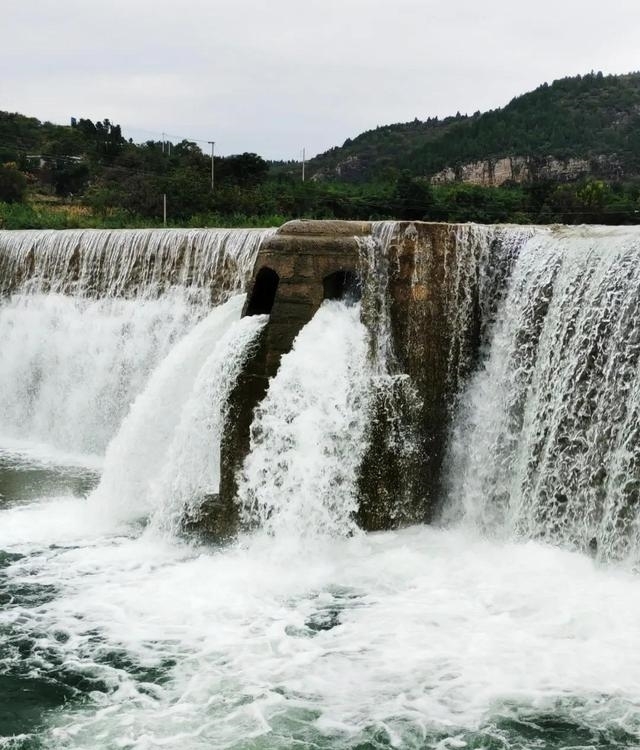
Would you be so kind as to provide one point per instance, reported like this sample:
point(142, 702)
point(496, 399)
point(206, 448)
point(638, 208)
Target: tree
point(13, 184)
point(68, 177)
point(413, 198)
point(242, 169)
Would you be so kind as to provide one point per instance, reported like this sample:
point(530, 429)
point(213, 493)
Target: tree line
point(107, 180)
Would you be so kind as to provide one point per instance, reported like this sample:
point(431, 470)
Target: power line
point(163, 134)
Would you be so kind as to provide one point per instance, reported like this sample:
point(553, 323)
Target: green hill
point(379, 154)
point(594, 118)
point(567, 152)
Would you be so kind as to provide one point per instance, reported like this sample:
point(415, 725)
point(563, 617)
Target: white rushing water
point(129, 262)
point(310, 432)
point(477, 266)
point(72, 365)
point(547, 443)
point(468, 266)
point(375, 272)
point(166, 454)
point(420, 638)
point(304, 632)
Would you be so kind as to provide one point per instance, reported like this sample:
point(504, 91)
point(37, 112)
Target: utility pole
point(163, 142)
point(303, 158)
point(213, 143)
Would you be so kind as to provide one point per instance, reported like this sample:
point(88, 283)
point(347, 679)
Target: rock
point(521, 169)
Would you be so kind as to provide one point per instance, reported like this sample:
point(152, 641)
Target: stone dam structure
point(408, 291)
point(495, 354)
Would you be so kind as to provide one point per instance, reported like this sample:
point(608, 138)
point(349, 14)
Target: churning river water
point(118, 631)
point(115, 636)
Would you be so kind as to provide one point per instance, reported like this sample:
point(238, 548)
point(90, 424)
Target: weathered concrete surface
point(401, 472)
point(401, 476)
point(303, 254)
point(433, 350)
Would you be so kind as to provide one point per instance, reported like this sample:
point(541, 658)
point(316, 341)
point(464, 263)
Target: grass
point(47, 215)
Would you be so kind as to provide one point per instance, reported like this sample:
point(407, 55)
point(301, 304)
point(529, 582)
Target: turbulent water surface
point(117, 631)
point(116, 637)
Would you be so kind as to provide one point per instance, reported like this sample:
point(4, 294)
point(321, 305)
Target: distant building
point(41, 160)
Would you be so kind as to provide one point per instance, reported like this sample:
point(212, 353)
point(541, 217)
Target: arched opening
point(342, 285)
point(263, 294)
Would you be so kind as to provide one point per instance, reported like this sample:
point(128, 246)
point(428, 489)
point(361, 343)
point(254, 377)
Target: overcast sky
point(272, 76)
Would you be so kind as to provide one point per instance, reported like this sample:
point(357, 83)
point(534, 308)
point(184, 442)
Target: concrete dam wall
point(420, 287)
point(417, 287)
point(458, 371)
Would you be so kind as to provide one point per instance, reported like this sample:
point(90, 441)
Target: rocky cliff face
point(520, 169)
point(351, 168)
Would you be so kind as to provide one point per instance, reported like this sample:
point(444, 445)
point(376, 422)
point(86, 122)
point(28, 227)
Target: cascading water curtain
point(87, 315)
point(547, 443)
point(310, 432)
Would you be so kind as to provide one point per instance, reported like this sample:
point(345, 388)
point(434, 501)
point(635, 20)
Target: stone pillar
point(302, 254)
point(400, 478)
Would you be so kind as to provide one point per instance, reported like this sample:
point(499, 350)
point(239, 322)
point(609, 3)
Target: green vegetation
point(13, 183)
point(88, 174)
point(587, 117)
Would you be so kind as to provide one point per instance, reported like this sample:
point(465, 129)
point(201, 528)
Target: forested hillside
point(567, 152)
point(586, 117)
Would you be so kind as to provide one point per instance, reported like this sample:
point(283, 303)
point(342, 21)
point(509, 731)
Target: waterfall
point(375, 272)
point(128, 262)
point(429, 298)
point(166, 455)
point(547, 442)
point(476, 265)
point(515, 350)
point(89, 315)
point(71, 367)
point(465, 277)
point(310, 432)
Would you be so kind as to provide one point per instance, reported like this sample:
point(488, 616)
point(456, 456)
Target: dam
point(339, 484)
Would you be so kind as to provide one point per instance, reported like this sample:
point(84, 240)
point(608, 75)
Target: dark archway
point(342, 285)
point(264, 290)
